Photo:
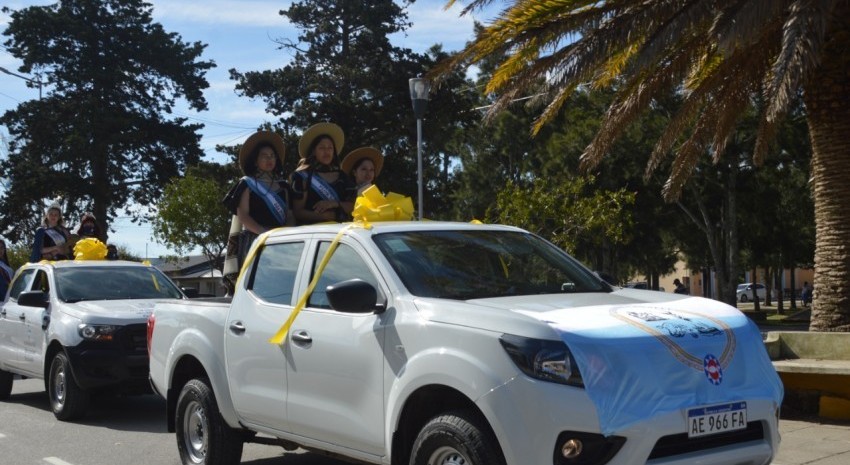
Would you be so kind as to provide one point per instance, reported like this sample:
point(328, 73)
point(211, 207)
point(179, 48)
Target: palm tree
point(723, 56)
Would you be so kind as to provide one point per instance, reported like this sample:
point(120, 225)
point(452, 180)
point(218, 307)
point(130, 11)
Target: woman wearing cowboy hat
point(260, 200)
point(363, 165)
point(321, 192)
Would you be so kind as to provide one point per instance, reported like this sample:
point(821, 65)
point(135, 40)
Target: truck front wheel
point(456, 438)
point(203, 438)
point(67, 399)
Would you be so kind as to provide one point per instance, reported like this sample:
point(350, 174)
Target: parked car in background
point(744, 292)
point(80, 326)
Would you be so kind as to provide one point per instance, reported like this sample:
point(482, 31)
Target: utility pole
point(32, 81)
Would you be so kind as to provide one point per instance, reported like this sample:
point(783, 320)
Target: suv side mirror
point(353, 296)
point(33, 299)
point(190, 292)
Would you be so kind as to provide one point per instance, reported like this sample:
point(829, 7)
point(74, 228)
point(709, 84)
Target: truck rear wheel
point(456, 438)
point(6, 379)
point(67, 399)
point(203, 438)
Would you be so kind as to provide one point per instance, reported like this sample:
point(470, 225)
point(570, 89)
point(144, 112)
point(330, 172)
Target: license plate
point(703, 421)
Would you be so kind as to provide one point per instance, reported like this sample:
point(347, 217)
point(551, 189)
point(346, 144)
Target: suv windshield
point(479, 264)
point(113, 283)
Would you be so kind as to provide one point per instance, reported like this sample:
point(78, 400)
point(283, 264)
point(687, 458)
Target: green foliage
point(191, 215)
point(19, 254)
point(568, 213)
point(101, 137)
point(345, 70)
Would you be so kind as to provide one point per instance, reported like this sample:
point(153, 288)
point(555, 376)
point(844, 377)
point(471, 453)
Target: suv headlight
point(97, 332)
point(543, 359)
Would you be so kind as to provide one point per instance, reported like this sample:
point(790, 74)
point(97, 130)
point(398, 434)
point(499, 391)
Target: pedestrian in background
point(806, 294)
point(680, 288)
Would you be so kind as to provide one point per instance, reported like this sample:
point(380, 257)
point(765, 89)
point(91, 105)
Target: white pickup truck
point(451, 343)
point(80, 325)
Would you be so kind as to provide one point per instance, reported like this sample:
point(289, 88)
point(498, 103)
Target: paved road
point(131, 431)
point(118, 431)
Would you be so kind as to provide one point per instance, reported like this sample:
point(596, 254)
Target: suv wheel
point(744, 298)
point(67, 399)
point(6, 379)
point(203, 438)
point(456, 438)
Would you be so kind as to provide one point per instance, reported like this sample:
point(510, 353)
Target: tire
point(456, 438)
point(6, 379)
point(67, 399)
point(744, 298)
point(203, 438)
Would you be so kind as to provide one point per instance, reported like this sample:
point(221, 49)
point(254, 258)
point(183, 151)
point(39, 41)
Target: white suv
point(744, 292)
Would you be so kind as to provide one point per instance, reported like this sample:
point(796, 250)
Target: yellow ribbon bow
point(90, 248)
point(372, 206)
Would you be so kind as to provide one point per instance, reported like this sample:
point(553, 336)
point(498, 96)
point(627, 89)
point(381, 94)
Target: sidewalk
point(813, 442)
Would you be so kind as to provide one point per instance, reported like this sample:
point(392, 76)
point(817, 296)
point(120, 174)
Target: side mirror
point(353, 296)
point(607, 278)
point(33, 299)
point(190, 292)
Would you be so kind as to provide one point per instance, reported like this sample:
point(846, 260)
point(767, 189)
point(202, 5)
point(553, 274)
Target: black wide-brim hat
point(261, 137)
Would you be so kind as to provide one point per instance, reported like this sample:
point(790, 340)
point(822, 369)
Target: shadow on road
point(145, 413)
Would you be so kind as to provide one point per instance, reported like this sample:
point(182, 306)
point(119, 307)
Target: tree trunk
point(755, 281)
point(828, 113)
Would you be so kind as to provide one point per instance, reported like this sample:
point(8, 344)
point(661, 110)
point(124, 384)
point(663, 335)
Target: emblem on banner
point(713, 370)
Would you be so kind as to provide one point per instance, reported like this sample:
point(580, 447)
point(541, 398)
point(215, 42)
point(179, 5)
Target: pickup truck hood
point(121, 312)
point(514, 314)
point(640, 353)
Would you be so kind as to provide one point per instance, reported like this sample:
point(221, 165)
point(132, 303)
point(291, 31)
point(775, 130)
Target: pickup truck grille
point(676, 444)
point(133, 338)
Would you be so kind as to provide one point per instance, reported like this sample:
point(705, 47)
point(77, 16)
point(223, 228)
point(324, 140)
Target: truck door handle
point(237, 327)
point(301, 337)
point(22, 316)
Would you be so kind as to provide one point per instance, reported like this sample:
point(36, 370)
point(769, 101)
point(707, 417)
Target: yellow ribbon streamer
point(280, 335)
point(370, 206)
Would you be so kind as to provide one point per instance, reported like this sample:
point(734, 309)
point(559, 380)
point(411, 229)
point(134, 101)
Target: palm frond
point(613, 67)
point(690, 18)
point(802, 40)
point(685, 161)
point(740, 23)
point(631, 101)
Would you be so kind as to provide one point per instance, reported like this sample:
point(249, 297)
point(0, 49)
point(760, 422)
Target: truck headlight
point(543, 359)
point(97, 332)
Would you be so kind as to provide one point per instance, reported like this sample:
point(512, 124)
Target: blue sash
point(320, 186)
point(276, 205)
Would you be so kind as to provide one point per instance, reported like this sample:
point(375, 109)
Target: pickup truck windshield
point(113, 283)
point(480, 264)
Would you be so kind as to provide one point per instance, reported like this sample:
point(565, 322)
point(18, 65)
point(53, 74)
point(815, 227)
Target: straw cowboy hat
point(317, 130)
point(358, 154)
point(260, 137)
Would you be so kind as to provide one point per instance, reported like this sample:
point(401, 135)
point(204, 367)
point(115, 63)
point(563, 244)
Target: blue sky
point(240, 34)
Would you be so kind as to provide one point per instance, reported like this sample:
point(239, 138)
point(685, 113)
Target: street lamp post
point(419, 89)
point(30, 80)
